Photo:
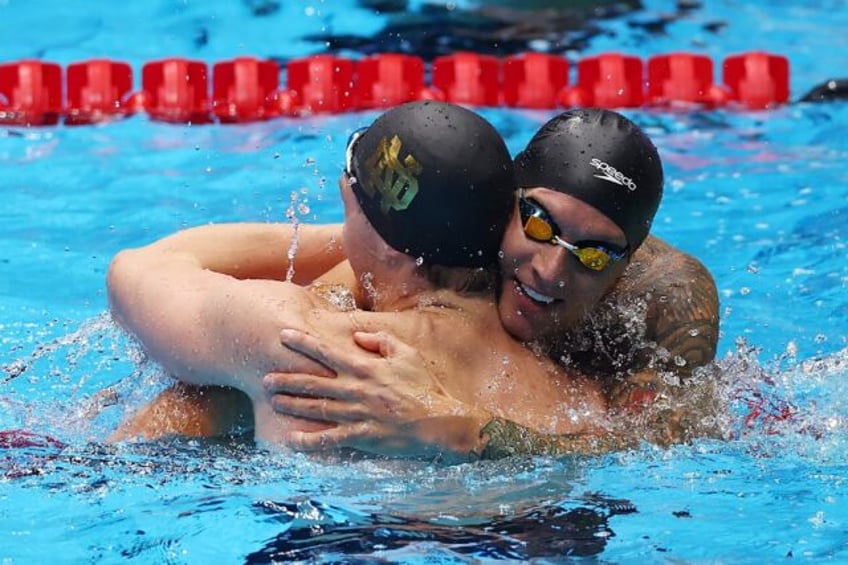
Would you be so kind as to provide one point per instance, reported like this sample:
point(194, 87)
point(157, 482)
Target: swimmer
point(427, 192)
point(582, 279)
point(655, 310)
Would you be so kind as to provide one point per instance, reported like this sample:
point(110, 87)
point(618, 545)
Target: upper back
point(477, 362)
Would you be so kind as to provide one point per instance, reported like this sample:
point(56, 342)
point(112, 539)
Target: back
point(480, 364)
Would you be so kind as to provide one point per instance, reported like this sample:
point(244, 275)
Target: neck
point(405, 285)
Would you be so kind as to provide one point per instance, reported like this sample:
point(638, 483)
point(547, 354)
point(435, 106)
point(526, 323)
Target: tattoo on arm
point(687, 323)
point(504, 438)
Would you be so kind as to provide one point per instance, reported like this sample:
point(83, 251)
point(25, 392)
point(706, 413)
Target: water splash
point(65, 385)
point(788, 407)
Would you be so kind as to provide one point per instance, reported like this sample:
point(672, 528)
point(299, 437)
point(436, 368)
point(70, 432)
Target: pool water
point(759, 197)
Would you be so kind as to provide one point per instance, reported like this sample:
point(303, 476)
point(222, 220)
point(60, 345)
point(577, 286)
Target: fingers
point(378, 342)
point(324, 409)
point(312, 347)
point(387, 345)
point(300, 384)
point(369, 341)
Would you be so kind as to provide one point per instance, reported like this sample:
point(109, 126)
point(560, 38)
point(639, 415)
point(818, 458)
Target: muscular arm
point(682, 314)
point(258, 250)
point(658, 390)
point(387, 402)
point(182, 298)
point(189, 411)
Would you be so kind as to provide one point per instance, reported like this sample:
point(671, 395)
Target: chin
point(516, 324)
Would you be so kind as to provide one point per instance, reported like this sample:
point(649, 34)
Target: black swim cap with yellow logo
point(436, 181)
point(602, 158)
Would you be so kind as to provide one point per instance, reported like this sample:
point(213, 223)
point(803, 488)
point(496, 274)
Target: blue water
point(760, 197)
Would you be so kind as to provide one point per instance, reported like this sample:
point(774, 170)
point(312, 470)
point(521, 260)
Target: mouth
point(533, 294)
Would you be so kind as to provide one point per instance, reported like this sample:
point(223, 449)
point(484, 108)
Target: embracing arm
point(189, 411)
point(182, 296)
point(682, 317)
point(668, 392)
point(385, 401)
point(258, 250)
point(181, 299)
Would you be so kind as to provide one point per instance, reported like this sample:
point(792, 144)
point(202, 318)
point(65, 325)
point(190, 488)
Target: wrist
point(460, 438)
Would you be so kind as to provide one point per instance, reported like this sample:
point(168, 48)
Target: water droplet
point(744, 291)
point(694, 333)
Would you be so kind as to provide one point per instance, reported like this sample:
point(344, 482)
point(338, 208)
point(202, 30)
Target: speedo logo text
point(610, 173)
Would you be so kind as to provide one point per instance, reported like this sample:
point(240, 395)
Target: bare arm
point(180, 298)
point(259, 250)
point(662, 393)
point(188, 299)
point(189, 411)
point(388, 403)
point(681, 317)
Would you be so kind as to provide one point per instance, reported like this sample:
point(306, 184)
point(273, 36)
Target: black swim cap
point(602, 158)
point(436, 181)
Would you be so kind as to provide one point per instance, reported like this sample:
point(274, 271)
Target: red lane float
point(30, 93)
point(611, 80)
point(245, 90)
point(683, 78)
point(248, 89)
point(98, 90)
point(467, 78)
point(534, 80)
point(758, 80)
point(176, 90)
point(389, 79)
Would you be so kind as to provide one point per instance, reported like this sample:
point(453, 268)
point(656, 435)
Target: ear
point(349, 201)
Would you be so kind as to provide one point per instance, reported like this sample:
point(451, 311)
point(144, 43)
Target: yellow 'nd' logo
point(394, 180)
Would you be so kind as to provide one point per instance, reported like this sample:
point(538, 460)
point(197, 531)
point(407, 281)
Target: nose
point(551, 266)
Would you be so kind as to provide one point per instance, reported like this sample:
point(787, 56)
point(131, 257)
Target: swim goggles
point(539, 226)
point(351, 144)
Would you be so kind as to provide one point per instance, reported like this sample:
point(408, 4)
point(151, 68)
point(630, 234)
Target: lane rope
point(248, 89)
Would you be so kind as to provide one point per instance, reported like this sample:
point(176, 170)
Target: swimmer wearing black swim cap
point(601, 158)
point(436, 181)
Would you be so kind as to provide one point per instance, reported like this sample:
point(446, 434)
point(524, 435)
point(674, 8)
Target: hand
point(382, 400)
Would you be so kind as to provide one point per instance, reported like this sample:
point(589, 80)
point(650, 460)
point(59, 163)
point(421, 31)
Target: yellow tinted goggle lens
point(538, 229)
point(592, 257)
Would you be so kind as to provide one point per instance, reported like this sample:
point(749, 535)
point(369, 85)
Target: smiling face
point(546, 289)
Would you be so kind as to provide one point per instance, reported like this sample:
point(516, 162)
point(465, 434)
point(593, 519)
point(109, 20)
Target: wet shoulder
point(663, 313)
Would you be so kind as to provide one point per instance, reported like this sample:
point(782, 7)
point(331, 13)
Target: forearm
point(664, 410)
point(479, 435)
point(259, 250)
point(187, 411)
point(501, 438)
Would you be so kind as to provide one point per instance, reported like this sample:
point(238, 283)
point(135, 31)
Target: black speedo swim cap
point(436, 181)
point(602, 158)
